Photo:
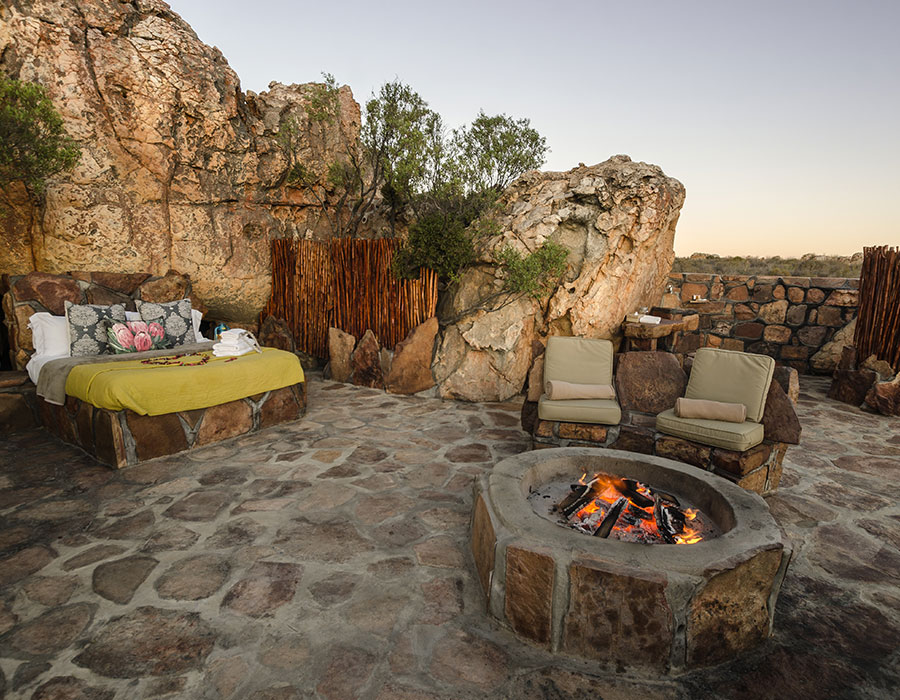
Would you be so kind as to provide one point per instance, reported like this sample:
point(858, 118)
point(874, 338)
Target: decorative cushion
point(557, 390)
point(712, 410)
point(604, 411)
point(87, 327)
point(732, 377)
point(135, 336)
point(174, 316)
point(718, 433)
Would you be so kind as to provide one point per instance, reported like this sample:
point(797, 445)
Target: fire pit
point(627, 604)
point(622, 509)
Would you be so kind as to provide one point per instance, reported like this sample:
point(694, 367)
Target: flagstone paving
point(328, 559)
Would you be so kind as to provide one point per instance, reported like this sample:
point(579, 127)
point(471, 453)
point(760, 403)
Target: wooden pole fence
point(348, 284)
point(878, 319)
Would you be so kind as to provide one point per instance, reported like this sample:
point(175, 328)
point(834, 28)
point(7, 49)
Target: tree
point(442, 186)
point(398, 147)
point(494, 151)
point(33, 143)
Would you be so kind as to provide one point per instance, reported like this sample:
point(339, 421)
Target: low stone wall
point(788, 318)
point(123, 438)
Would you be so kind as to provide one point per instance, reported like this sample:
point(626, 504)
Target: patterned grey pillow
point(175, 317)
point(87, 327)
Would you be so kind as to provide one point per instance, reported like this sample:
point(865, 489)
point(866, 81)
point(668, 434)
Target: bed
point(127, 409)
point(130, 407)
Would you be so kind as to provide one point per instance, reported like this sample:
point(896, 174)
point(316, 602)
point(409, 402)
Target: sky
point(780, 118)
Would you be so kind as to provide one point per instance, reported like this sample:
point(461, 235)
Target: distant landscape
point(810, 265)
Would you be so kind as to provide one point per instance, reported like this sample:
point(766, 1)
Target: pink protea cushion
point(136, 336)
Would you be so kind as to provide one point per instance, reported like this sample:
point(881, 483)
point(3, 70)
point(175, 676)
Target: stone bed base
point(18, 403)
point(123, 438)
point(757, 469)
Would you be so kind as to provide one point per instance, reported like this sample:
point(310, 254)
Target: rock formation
point(826, 359)
point(179, 168)
point(616, 218)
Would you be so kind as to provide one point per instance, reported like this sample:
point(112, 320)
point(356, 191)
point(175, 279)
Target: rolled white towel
point(233, 334)
point(234, 348)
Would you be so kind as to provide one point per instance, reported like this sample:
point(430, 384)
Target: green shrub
point(535, 274)
point(439, 242)
point(33, 142)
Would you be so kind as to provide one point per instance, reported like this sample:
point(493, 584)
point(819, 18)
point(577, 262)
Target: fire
point(632, 507)
point(689, 537)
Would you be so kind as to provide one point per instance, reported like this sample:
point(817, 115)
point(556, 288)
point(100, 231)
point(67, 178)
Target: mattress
point(182, 382)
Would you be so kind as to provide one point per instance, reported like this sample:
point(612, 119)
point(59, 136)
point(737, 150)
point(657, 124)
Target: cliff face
point(180, 169)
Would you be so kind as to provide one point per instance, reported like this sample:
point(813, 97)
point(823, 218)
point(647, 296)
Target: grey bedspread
point(52, 380)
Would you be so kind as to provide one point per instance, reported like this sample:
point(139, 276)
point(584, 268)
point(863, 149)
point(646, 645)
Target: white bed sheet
point(36, 362)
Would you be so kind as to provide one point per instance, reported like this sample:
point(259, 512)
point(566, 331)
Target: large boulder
point(365, 363)
point(179, 167)
point(617, 220)
point(410, 370)
point(649, 382)
point(780, 420)
point(884, 397)
point(340, 348)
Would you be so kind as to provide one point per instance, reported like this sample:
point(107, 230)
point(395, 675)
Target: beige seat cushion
point(732, 377)
point(718, 433)
point(579, 361)
point(605, 411)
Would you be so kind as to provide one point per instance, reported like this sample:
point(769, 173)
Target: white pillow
point(50, 334)
point(196, 317)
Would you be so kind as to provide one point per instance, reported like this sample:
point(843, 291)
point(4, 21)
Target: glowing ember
point(623, 509)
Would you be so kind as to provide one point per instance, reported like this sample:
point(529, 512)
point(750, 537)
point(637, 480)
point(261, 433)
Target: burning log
point(576, 501)
point(609, 520)
point(633, 514)
point(667, 536)
point(629, 488)
point(666, 497)
point(621, 508)
point(669, 521)
point(577, 492)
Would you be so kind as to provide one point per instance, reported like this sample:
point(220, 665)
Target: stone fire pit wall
point(659, 608)
point(800, 321)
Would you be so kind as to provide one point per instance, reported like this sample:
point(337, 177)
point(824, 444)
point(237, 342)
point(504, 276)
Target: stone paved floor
point(327, 559)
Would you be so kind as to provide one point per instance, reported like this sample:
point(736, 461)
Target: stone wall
point(800, 321)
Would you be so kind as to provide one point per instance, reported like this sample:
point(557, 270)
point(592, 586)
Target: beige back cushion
point(732, 377)
point(578, 360)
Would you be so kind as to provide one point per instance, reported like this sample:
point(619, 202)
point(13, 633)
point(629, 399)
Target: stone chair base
point(124, 438)
point(757, 469)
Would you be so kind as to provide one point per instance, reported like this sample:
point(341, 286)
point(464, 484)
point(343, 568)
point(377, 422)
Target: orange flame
point(607, 490)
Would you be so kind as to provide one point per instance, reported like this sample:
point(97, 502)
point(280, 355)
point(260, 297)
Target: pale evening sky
point(780, 118)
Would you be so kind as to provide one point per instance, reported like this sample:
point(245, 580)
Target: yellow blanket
point(151, 388)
